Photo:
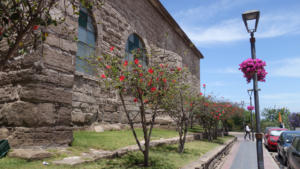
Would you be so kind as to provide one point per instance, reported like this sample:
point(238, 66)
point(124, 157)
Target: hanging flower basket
point(250, 66)
point(250, 108)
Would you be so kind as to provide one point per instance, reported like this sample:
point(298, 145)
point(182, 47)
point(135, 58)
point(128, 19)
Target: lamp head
point(250, 16)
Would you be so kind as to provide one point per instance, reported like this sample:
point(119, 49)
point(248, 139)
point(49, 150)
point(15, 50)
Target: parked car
point(272, 136)
point(268, 128)
point(284, 141)
point(293, 154)
point(267, 131)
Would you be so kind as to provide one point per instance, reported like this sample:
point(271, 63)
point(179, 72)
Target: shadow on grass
point(196, 129)
point(135, 160)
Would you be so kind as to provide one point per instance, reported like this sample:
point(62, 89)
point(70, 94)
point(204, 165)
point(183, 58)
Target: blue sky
point(217, 29)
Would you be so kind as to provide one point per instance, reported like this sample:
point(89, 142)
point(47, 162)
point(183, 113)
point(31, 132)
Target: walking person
point(247, 132)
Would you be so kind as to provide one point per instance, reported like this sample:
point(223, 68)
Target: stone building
point(49, 93)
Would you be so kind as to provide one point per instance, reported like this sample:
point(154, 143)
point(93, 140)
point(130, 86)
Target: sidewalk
point(243, 155)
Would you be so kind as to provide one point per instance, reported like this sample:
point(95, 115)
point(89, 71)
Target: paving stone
point(30, 154)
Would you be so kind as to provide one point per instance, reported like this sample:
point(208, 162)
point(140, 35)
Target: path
point(243, 155)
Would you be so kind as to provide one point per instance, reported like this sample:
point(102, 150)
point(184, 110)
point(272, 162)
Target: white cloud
point(208, 11)
point(289, 100)
point(285, 68)
point(270, 25)
point(226, 31)
point(278, 25)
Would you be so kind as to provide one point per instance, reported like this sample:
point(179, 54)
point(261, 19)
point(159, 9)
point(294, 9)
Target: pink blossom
point(125, 63)
point(250, 108)
point(150, 70)
point(112, 48)
point(122, 77)
point(251, 66)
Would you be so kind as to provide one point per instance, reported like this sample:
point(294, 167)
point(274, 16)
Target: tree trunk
point(146, 154)
point(216, 131)
point(182, 141)
point(192, 121)
point(180, 146)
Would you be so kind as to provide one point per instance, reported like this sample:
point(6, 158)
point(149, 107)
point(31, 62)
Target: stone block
point(66, 45)
point(84, 98)
point(57, 60)
point(64, 116)
point(110, 107)
point(8, 93)
point(55, 77)
point(44, 92)
point(27, 114)
point(112, 117)
point(98, 129)
point(30, 154)
point(40, 136)
point(78, 117)
point(4, 133)
point(12, 77)
point(163, 120)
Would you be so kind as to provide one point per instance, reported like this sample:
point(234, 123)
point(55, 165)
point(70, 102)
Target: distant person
point(281, 125)
point(247, 132)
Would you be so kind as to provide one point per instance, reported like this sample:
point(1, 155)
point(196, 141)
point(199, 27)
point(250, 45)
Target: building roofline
point(166, 15)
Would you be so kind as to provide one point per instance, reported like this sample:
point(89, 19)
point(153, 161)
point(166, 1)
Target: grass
point(112, 140)
point(161, 157)
point(196, 129)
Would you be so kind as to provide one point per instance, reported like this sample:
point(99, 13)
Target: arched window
point(86, 41)
point(135, 44)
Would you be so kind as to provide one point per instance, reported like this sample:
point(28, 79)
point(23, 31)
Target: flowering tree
point(199, 103)
point(147, 86)
point(250, 66)
point(22, 23)
point(180, 104)
point(224, 115)
point(207, 117)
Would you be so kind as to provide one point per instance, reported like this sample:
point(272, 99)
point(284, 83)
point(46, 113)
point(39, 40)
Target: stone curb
point(209, 159)
point(94, 155)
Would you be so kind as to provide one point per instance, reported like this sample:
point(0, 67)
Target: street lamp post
point(244, 123)
point(250, 16)
point(250, 91)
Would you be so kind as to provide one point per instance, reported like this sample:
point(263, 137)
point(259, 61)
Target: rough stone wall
point(118, 19)
point(43, 96)
point(36, 93)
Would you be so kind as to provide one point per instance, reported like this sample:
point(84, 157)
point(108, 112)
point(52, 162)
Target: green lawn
point(196, 129)
point(112, 140)
point(161, 157)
